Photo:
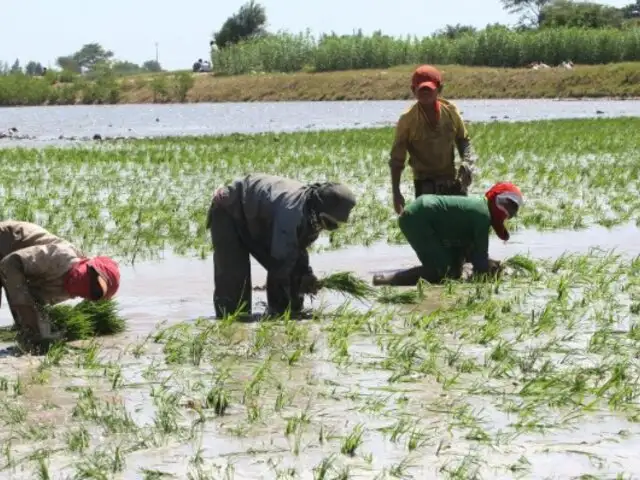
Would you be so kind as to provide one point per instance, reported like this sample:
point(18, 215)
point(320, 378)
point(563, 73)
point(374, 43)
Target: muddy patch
point(525, 377)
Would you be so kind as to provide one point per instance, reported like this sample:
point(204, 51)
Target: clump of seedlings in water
point(159, 193)
point(540, 352)
point(81, 321)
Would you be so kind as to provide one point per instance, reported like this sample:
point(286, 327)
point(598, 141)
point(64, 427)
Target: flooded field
point(534, 375)
point(45, 125)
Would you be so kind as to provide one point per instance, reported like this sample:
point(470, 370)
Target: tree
point(69, 64)
point(34, 69)
point(92, 54)
point(87, 58)
point(125, 68)
point(16, 68)
point(455, 31)
point(247, 23)
point(529, 10)
point(566, 13)
point(152, 66)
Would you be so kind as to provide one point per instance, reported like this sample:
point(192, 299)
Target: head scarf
point(329, 204)
point(496, 196)
point(77, 282)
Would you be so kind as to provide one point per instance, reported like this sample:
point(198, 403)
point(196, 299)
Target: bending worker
point(38, 268)
point(275, 220)
point(444, 230)
point(430, 131)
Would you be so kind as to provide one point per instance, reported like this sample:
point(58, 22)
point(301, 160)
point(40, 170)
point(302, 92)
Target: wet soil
point(179, 289)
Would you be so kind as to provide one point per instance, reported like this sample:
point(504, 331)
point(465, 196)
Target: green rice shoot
point(347, 283)
point(78, 322)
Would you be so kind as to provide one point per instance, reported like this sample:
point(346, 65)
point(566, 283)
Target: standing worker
point(38, 268)
point(430, 131)
point(274, 219)
point(444, 230)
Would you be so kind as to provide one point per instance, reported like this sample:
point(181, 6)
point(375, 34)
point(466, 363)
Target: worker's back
point(455, 220)
point(16, 235)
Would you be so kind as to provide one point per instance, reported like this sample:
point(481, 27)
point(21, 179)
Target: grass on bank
point(612, 80)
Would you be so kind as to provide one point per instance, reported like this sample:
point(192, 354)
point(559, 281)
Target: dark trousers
point(437, 187)
point(232, 272)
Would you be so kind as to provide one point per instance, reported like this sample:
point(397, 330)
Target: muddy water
point(44, 125)
point(178, 289)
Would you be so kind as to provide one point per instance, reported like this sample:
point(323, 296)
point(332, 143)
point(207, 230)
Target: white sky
point(42, 30)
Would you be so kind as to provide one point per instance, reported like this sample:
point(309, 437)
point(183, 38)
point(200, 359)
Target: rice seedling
point(81, 321)
point(159, 196)
point(487, 367)
point(347, 283)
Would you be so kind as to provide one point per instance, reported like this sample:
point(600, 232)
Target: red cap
point(495, 195)
point(108, 269)
point(426, 76)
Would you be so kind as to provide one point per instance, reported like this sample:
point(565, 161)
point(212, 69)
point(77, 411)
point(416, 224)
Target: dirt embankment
point(613, 80)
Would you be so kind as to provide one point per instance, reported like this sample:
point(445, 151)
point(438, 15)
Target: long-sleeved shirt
point(34, 263)
point(431, 148)
point(458, 222)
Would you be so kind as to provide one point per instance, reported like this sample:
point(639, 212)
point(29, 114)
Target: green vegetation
point(81, 321)
point(495, 46)
point(151, 195)
point(494, 380)
point(461, 380)
point(614, 80)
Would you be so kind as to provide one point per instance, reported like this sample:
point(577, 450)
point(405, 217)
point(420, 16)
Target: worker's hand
point(220, 195)
point(309, 284)
point(398, 203)
point(465, 176)
point(495, 267)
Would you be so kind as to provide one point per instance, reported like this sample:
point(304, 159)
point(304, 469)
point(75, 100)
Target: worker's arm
point(284, 242)
point(15, 270)
point(479, 255)
point(469, 160)
point(397, 159)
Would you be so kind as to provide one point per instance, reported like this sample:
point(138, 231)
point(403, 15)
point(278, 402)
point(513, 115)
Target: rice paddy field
point(531, 375)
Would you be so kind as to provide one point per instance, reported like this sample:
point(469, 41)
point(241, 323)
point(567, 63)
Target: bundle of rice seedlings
point(347, 283)
point(104, 315)
point(522, 264)
point(68, 319)
point(86, 319)
point(390, 295)
point(343, 282)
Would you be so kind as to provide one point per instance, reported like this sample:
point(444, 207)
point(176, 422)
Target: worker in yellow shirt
point(430, 131)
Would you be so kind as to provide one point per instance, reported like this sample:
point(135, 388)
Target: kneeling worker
point(38, 268)
point(274, 219)
point(444, 230)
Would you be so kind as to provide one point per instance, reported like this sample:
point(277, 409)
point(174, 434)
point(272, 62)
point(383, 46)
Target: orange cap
point(426, 76)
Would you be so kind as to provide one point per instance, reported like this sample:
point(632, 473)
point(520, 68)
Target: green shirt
point(457, 222)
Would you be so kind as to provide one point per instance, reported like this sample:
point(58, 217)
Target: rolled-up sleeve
point(398, 154)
